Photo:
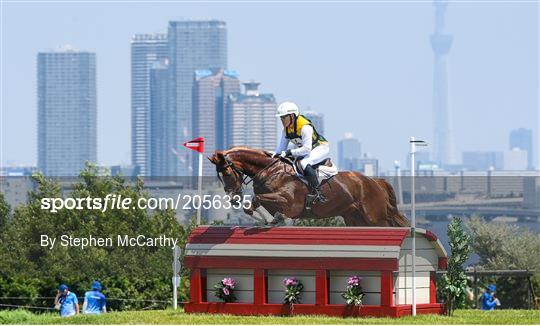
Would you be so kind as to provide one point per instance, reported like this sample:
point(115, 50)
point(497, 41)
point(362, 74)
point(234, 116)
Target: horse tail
point(396, 218)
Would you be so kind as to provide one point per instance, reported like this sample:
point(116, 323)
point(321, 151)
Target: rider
point(311, 147)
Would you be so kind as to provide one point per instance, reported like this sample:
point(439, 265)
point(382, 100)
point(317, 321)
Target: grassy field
point(178, 317)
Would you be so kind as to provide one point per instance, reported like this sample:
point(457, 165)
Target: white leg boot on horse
point(253, 212)
point(278, 204)
point(258, 212)
point(262, 215)
point(279, 219)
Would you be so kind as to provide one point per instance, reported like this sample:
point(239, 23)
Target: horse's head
point(229, 174)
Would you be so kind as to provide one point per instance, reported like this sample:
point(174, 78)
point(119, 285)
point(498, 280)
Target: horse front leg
point(255, 203)
point(279, 204)
point(252, 209)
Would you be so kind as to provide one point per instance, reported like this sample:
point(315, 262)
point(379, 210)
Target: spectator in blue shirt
point(94, 301)
point(489, 301)
point(66, 301)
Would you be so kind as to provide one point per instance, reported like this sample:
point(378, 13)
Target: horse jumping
point(360, 200)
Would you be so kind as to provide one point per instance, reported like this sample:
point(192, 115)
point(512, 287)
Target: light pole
point(413, 142)
point(177, 266)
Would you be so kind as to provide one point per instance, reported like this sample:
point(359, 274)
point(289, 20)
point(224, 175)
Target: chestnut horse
point(360, 200)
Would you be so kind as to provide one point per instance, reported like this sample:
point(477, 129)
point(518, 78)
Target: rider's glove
point(286, 153)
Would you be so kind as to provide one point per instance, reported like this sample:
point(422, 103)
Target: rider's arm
point(305, 149)
point(283, 143)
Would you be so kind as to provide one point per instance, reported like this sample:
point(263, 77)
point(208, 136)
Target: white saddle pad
point(323, 172)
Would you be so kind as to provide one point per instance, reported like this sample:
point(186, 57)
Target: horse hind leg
point(373, 215)
point(355, 217)
point(349, 219)
point(395, 218)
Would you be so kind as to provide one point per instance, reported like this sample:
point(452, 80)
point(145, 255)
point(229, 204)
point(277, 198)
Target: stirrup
point(320, 197)
point(314, 197)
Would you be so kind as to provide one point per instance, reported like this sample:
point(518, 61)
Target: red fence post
point(321, 287)
point(432, 287)
point(259, 286)
point(387, 288)
point(195, 286)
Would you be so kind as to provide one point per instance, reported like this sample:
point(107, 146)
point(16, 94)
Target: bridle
point(246, 180)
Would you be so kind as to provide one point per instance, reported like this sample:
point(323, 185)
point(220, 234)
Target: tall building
point(250, 119)
point(523, 139)
point(193, 45)
point(160, 125)
point(66, 111)
point(441, 42)
point(211, 90)
point(146, 49)
point(483, 161)
point(317, 119)
point(349, 153)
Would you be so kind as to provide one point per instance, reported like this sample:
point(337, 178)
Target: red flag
point(196, 144)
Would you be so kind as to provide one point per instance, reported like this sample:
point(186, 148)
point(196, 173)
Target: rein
point(241, 173)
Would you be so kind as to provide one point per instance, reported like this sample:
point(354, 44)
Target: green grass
point(179, 317)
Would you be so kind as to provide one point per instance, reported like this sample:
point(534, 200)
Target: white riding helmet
point(287, 108)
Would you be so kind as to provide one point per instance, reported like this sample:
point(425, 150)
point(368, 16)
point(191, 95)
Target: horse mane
point(246, 150)
point(242, 153)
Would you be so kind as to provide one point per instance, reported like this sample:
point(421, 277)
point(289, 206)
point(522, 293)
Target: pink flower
point(230, 282)
point(354, 280)
point(290, 281)
point(226, 291)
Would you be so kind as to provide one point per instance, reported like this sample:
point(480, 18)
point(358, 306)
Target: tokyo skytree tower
point(441, 42)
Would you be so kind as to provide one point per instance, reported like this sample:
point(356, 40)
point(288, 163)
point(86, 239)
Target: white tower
point(441, 44)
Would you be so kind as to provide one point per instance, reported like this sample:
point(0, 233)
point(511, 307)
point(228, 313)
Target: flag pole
point(200, 188)
point(197, 144)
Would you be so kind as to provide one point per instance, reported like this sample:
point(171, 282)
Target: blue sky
point(368, 66)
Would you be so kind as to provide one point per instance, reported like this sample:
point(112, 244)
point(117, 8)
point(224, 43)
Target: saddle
point(327, 162)
point(326, 169)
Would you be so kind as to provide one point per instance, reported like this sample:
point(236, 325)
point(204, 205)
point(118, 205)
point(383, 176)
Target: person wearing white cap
point(311, 147)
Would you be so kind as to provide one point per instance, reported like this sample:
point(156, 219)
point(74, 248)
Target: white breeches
point(317, 154)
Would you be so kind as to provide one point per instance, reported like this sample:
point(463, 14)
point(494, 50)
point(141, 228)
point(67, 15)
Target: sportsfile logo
point(119, 202)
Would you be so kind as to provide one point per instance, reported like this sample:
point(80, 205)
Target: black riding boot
point(311, 175)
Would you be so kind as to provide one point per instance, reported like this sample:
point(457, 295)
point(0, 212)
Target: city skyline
point(340, 114)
